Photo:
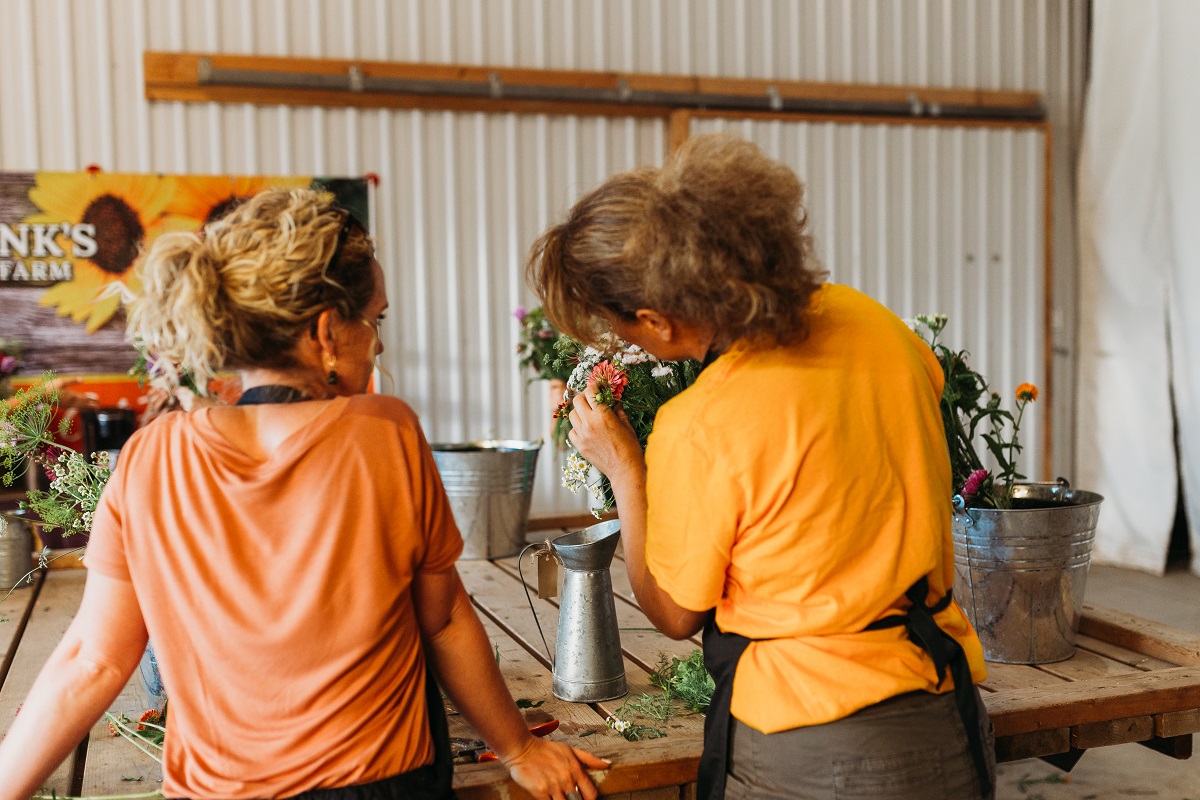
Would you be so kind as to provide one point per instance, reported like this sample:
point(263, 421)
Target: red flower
point(974, 483)
point(607, 375)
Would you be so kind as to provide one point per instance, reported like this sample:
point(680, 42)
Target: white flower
point(935, 322)
point(661, 371)
point(635, 355)
point(587, 361)
point(618, 725)
point(575, 472)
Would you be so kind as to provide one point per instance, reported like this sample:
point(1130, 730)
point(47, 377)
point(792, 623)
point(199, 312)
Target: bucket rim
point(487, 446)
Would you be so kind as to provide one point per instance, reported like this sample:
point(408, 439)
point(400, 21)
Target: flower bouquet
point(626, 376)
point(535, 351)
point(967, 404)
point(27, 442)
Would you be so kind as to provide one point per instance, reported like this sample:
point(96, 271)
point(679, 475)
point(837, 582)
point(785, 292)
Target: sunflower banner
point(70, 245)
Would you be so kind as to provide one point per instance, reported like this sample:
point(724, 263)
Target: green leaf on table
point(523, 703)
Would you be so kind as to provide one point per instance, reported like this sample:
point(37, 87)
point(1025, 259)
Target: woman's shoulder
point(382, 406)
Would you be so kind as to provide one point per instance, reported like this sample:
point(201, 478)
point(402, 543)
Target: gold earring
point(330, 362)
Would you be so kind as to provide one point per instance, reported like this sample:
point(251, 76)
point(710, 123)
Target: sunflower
point(128, 212)
point(202, 199)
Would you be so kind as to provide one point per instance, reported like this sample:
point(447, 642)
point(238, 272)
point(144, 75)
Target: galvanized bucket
point(490, 484)
point(16, 550)
point(1020, 573)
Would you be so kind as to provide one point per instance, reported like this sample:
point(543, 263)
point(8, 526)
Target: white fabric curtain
point(1139, 223)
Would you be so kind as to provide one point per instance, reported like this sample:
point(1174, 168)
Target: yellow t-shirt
point(801, 490)
point(278, 595)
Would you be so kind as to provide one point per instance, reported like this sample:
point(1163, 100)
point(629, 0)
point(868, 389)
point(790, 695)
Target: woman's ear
point(324, 336)
point(656, 324)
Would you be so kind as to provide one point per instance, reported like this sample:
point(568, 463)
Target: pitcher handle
point(528, 599)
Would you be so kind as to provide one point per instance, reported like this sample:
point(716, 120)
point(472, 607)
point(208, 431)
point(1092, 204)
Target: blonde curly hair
point(717, 236)
point(242, 292)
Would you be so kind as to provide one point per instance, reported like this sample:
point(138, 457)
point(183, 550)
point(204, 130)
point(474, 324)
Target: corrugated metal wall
point(898, 209)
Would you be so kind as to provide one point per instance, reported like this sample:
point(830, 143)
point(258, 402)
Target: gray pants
point(911, 747)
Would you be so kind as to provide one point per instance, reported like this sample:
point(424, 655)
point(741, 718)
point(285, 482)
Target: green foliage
point(971, 411)
point(26, 441)
point(687, 688)
point(685, 679)
point(536, 349)
point(25, 435)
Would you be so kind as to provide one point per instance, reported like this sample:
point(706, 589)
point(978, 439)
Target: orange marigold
point(152, 716)
point(1027, 393)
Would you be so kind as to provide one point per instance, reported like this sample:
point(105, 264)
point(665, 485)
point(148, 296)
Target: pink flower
point(520, 313)
point(607, 375)
point(974, 482)
point(7, 365)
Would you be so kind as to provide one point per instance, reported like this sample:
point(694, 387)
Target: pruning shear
point(476, 751)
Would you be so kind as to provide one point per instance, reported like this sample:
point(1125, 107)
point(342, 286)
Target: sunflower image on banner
point(70, 245)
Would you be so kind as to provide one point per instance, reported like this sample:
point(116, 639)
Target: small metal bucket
point(490, 484)
point(16, 549)
point(1020, 573)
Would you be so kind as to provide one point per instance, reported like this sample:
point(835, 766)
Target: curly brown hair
point(715, 237)
point(241, 293)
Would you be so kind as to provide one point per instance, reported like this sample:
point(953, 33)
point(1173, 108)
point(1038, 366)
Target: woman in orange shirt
point(292, 557)
point(794, 502)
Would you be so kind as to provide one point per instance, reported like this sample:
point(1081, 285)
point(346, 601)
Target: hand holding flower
point(603, 435)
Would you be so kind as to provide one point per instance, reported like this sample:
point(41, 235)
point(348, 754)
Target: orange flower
point(1027, 393)
point(153, 716)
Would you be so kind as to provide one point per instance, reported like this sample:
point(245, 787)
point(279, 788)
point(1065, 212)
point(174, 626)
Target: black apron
point(430, 782)
point(722, 651)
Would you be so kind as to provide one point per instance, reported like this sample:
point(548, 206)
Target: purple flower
point(974, 482)
point(7, 364)
point(520, 314)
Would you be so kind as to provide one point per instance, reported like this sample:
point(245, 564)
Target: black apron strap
point(439, 729)
point(722, 651)
point(946, 652)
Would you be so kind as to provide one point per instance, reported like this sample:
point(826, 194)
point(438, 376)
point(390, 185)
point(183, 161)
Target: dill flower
point(1027, 393)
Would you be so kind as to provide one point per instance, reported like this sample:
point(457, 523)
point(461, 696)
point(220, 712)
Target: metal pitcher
point(588, 665)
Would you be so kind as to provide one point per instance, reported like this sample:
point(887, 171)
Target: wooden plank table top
point(1130, 680)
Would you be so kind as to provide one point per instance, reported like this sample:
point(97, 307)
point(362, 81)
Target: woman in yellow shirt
point(794, 501)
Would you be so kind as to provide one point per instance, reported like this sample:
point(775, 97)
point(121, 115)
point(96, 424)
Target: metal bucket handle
point(544, 547)
point(960, 503)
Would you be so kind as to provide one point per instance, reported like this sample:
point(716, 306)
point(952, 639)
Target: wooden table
point(1130, 680)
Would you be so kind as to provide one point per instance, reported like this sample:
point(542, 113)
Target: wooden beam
point(1179, 747)
point(1033, 745)
point(679, 129)
point(1156, 640)
point(1112, 731)
point(564, 522)
point(1096, 700)
point(177, 76)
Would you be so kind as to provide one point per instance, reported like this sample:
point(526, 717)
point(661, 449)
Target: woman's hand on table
point(604, 436)
point(555, 770)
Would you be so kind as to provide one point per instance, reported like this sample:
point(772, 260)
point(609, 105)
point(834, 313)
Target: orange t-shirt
point(278, 595)
point(800, 491)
